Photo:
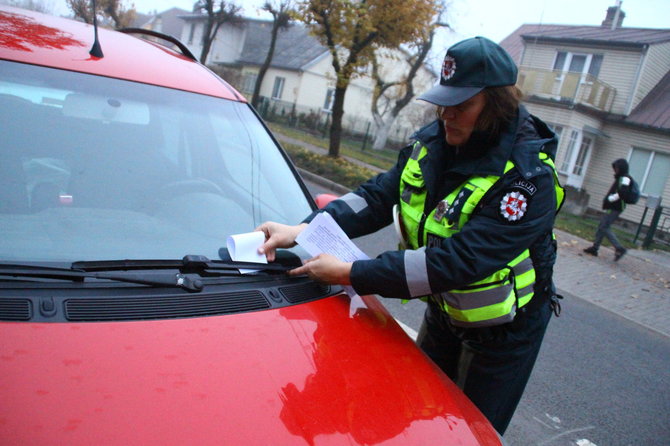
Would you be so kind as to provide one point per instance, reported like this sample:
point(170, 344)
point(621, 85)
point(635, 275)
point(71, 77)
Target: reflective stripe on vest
point(490, 301)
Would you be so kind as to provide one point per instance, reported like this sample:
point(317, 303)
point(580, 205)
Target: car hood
point(308, 374)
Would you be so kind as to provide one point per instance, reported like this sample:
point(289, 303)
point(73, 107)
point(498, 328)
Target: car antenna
point(96, 50)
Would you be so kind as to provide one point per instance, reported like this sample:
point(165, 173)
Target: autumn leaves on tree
point(353, 29)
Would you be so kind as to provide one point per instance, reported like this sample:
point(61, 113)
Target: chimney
point(614, 17)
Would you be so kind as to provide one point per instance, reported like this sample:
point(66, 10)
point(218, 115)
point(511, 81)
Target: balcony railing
point(573, 88)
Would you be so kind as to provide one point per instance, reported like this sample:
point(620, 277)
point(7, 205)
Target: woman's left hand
point(325, 268)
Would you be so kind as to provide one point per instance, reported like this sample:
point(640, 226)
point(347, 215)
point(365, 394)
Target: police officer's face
point(459, 120)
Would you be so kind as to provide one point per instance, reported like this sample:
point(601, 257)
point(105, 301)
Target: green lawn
point(383, 159)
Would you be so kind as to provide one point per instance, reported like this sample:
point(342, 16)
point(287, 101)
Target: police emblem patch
point(448, 68)
point(513, 206)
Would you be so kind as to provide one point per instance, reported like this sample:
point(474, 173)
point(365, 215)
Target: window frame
point(278, 87)
point(249, 81)
point(643, 180)
point(588, 64)
point(572, 144)
point(329, 100)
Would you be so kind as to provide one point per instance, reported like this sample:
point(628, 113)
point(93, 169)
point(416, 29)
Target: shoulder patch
point(524, 185)
point(513, 206)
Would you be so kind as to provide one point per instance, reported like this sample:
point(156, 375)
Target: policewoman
point(474, 197)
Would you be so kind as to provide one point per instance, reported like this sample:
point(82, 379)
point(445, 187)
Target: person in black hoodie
point(614, 205)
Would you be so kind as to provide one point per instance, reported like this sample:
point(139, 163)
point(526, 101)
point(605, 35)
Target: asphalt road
point(599, 380)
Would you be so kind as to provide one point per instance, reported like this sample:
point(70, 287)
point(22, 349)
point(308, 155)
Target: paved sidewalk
point(637, 287)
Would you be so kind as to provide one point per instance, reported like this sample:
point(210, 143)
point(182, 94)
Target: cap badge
point(448, 67)
point(513, 206)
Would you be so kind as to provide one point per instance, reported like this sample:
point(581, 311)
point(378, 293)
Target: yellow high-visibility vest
point(495, 299)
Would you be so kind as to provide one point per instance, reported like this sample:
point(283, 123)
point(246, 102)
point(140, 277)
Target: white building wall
point(538, 56)
point(225, 48)
point(620, 70)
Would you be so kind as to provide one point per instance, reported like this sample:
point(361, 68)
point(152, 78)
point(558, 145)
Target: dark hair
point(501, 107)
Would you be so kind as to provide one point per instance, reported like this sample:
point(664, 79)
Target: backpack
point(632, 195)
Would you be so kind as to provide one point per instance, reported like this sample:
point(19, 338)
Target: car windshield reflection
point(100, 168)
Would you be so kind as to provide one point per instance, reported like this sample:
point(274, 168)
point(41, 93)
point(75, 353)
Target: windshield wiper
point(42, 272)
point(190, 264)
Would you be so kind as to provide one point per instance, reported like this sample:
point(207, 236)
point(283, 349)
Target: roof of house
point(600, 35)
point(295, 47)
point(171, 21)
point(653, 110)
point(513, 43)
point(141, 19)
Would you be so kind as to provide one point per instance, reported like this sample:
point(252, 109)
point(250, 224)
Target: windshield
point(99, 168)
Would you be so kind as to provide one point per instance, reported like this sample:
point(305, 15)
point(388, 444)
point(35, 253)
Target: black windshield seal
point(189, 271)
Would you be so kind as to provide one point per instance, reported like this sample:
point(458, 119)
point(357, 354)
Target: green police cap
point(470, 66)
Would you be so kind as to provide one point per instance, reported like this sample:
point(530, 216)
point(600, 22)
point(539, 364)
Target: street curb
point(335, 187)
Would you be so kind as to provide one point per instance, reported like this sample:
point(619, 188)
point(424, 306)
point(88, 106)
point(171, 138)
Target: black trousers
point(605, 230)
point(490, 364)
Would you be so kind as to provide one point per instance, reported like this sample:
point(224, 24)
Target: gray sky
point(494, 19)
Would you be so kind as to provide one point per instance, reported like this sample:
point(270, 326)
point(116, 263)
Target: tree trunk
point(336, 125)
point(206, 43)
point(266, 64)
point(382, 133)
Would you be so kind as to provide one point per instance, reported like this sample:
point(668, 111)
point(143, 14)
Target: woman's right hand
point(278, 235)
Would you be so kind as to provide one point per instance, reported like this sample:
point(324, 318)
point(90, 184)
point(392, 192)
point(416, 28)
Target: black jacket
point(620, 167)
point(488, 241)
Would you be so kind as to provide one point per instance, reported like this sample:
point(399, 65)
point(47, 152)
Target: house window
point(249, 82)
point(578, 63)
point(574, 137)
point(330, 99)
point(650, 169)
point(581, 156)
point(191, 33)
point(278, 87)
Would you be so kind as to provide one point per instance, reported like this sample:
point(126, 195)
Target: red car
point(123, 319)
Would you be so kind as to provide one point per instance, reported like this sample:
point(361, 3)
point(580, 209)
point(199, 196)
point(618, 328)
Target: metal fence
point(317, 121)
point(658, 229)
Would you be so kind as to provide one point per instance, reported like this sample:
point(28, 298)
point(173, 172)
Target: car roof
point(39, 39)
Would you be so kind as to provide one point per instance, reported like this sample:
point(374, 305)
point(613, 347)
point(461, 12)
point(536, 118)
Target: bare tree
point(217, 13)
point(110, 12)
point(390, 97)
point(281, 11)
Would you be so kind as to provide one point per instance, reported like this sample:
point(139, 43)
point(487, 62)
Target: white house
point(606, 91)
point(301, 77)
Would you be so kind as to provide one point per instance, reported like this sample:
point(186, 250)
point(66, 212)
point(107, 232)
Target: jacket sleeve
point(624, 187)
point(485, 244)
point(369, 207)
